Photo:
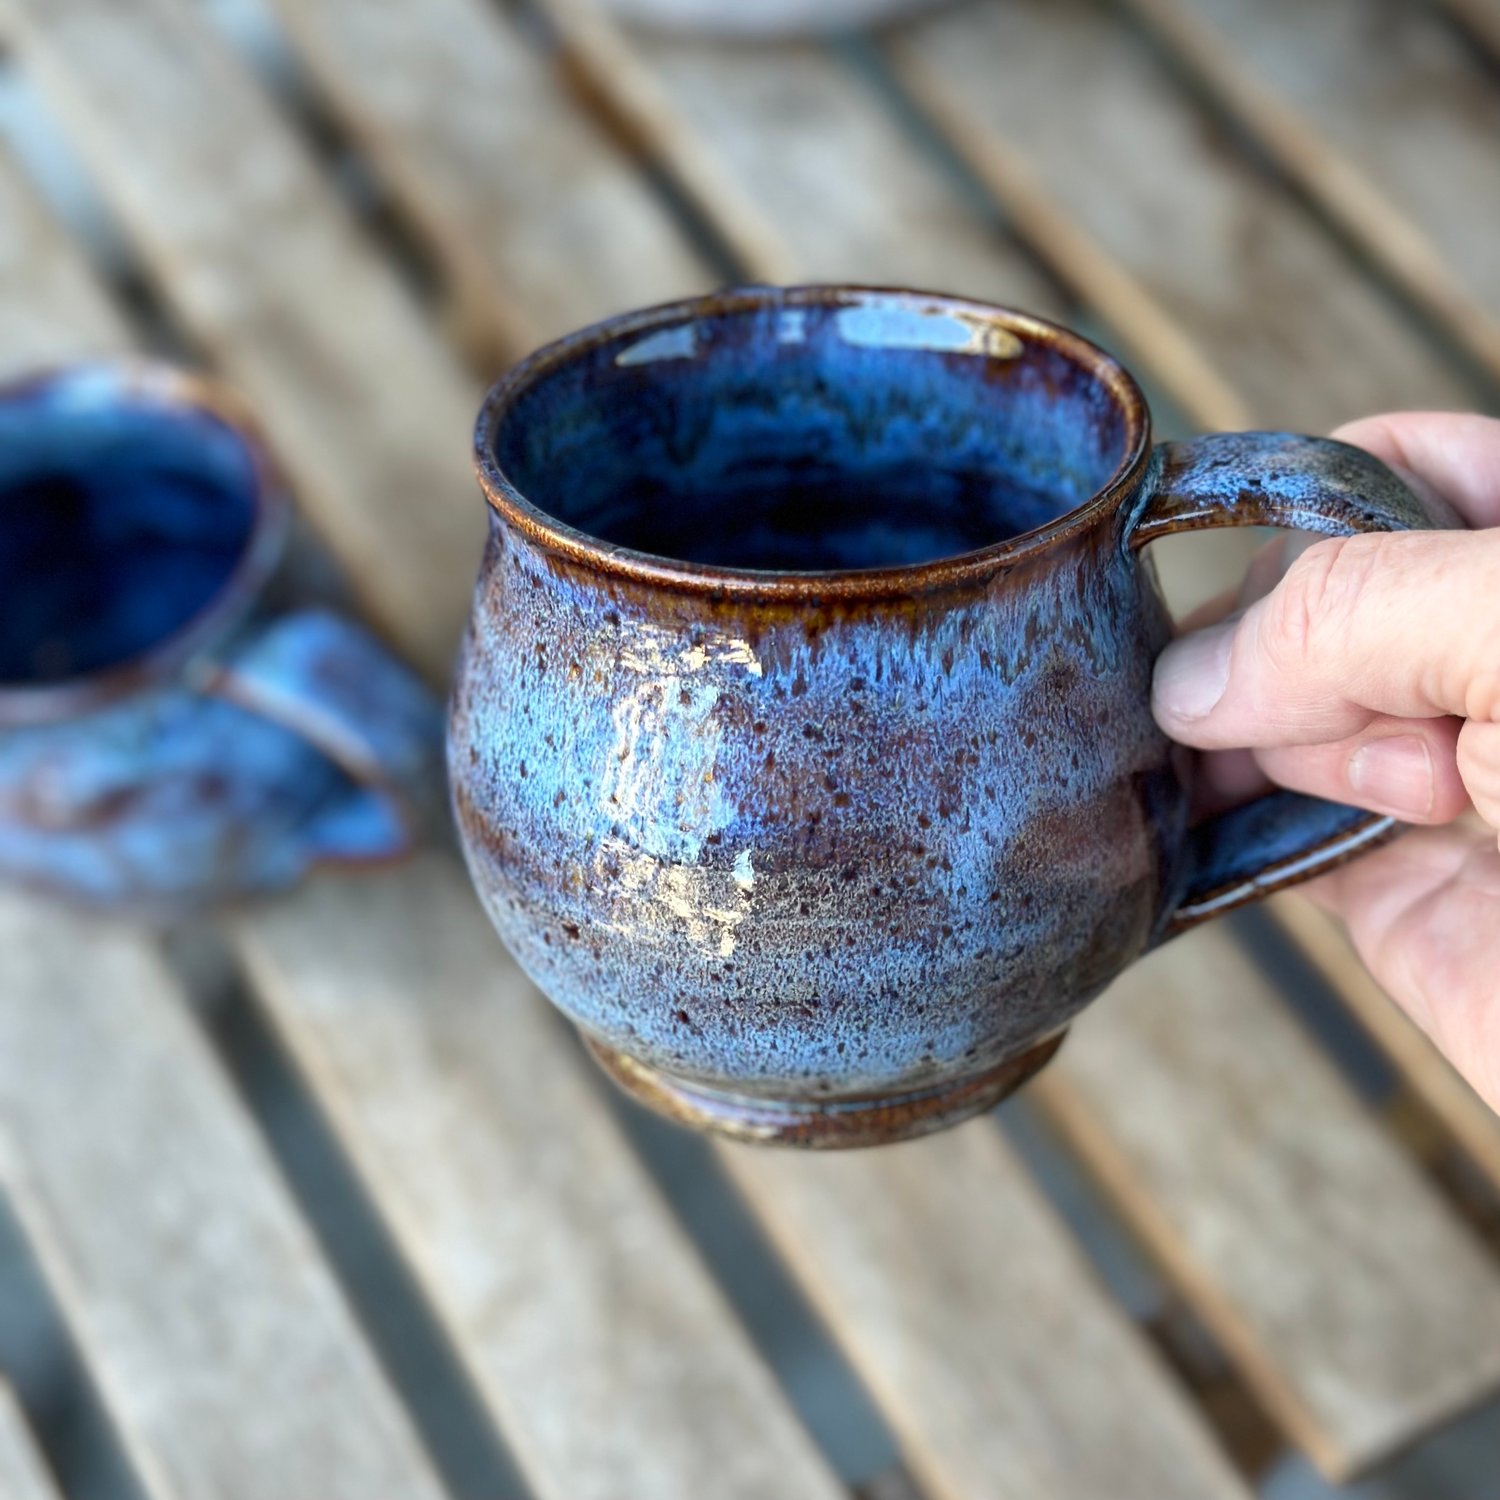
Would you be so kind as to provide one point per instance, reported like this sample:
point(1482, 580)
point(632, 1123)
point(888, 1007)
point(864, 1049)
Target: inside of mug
point(123, 514)
point(875, 430)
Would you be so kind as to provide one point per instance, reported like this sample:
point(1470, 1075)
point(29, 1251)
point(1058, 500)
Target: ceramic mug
point(801, 744)
point(160, 750)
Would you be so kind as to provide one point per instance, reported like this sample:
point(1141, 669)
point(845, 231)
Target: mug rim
point(540, 527)
point(172, 388)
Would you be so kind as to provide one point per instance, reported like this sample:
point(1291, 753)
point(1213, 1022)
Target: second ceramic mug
point(163, 745)
point(801, 744)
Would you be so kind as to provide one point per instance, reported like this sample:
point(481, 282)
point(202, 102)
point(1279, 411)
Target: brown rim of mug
point(185, 390)
point(579, 547)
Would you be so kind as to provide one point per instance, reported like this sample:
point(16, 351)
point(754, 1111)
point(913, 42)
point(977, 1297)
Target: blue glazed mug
point(160, 749)
point(801, 743)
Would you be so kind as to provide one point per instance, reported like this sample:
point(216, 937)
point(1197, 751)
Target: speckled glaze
point(159, 749)
point(828, 849)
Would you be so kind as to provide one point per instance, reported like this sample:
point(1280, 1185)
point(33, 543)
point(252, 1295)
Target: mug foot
point(835, 1123)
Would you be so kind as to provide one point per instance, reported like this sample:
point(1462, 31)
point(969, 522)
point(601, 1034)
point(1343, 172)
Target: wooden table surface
point(1281, 214)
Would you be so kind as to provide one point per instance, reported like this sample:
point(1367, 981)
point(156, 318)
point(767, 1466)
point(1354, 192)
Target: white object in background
point(761, 17)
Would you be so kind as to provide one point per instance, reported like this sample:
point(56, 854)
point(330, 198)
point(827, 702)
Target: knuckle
point(1312, 612)
point(1483, 696)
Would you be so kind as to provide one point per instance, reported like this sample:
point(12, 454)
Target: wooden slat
point(495, 162)
point(1003, 1365)
point(1294, 334)
point(1376, 111)
point(1322, 942)
point(23, 1473)
point(264, 266)
point(851, 198)
point(198, 1298)
point(591, 1373)
point(1122, 298)
point(592, 47)
point(580, 1308)
point(1358, 1305)
point(51, 307)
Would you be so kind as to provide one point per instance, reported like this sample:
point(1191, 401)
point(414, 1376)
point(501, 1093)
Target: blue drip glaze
point(851, 846)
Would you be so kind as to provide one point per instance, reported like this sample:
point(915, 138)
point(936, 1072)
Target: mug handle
point(329, 683)
point(1305, 484)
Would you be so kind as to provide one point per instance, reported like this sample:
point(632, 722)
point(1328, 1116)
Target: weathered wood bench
point(1227, 193)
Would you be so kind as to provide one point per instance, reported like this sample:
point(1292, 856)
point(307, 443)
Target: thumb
point(1356, 668)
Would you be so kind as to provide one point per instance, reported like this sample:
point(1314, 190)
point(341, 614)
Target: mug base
point(835, 1123)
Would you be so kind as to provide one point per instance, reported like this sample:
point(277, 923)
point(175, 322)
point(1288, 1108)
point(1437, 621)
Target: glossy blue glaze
point(801, 743)
point(792, 455)
point(834, 897)
point(159, 748)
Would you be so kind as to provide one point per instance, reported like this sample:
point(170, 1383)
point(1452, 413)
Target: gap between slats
point(1479, 19)
point(23, 1474)
point(416, 1354)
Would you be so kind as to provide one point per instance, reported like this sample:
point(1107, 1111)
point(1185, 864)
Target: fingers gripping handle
point(1304, 484)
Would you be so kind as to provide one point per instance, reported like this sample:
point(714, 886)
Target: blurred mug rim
point(168, 387)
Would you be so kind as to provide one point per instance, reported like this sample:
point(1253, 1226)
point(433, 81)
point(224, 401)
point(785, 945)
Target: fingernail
point(1394, 776)
point(1192, 673)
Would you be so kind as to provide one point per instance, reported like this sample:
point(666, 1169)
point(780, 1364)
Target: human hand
point(1370, 674)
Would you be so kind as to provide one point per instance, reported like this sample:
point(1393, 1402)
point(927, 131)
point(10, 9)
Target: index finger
point(1397, 624)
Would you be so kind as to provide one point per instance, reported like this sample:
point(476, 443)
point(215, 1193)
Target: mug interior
point(124, 514)
point(825, 430)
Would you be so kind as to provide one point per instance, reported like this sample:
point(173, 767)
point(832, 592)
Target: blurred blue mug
point(160, 750)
